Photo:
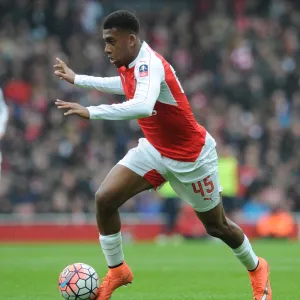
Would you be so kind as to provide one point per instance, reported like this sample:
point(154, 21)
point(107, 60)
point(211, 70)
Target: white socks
point(112, 248)
point(113, 251)
point(246, 255)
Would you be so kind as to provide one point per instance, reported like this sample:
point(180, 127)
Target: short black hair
point(122, 19)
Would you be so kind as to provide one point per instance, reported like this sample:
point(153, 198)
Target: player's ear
point(132, 40)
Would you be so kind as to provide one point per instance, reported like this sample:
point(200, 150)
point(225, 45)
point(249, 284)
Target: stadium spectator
point(239, 65)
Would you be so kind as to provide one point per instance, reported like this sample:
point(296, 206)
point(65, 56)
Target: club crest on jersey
point(143, 70)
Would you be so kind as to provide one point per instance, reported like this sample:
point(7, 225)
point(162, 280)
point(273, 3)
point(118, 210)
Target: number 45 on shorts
point(205, 187)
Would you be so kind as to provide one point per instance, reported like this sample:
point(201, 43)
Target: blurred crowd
point(238, 62)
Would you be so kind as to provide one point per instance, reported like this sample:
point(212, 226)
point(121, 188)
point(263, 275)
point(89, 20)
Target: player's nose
point(107, 49)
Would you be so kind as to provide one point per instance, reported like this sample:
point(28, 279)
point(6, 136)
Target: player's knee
point(104, 201)
point(218, 229)
point(213, 231)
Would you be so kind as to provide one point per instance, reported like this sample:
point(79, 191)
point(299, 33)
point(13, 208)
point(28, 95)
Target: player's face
point(118, 46)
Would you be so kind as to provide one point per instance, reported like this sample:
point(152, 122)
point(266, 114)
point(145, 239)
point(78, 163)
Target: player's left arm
point(3, 115)
point(149, 76)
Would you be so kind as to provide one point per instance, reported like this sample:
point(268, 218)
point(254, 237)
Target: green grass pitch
point(190, 270)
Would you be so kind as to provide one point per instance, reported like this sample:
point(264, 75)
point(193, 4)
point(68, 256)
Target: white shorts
point(197, 183)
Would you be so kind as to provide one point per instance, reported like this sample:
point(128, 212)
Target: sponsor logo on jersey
point(143, 70)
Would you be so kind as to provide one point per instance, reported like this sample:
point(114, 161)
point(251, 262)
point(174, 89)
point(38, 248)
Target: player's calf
point(227, 231)
point(217, 225)
point(222, 230)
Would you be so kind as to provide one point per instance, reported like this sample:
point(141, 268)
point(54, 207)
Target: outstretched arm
point(110, 85)
point(141, 106)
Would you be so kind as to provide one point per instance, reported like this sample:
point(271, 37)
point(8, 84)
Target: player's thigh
point(135, 173)
point(144, 161)
point(200, 187)
point(202, 194)
point(121, 184)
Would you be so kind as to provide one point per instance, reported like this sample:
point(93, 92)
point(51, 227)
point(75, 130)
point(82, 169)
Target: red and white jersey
point(156, 98)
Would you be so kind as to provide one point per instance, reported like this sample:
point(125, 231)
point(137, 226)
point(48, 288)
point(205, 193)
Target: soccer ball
point(78, 282)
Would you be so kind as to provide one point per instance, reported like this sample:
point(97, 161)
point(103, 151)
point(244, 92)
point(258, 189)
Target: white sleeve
point(3, 114)
point(112, 85)
point(149, 77)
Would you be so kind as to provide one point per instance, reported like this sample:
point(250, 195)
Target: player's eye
point(110, 42)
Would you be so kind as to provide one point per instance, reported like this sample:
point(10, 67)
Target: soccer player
point(175, 149)
point(3, 120)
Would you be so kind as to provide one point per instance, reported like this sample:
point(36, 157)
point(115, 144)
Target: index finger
point(60, 61)
point(61, 102)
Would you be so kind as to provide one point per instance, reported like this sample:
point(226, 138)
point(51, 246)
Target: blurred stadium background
point(239, 64)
